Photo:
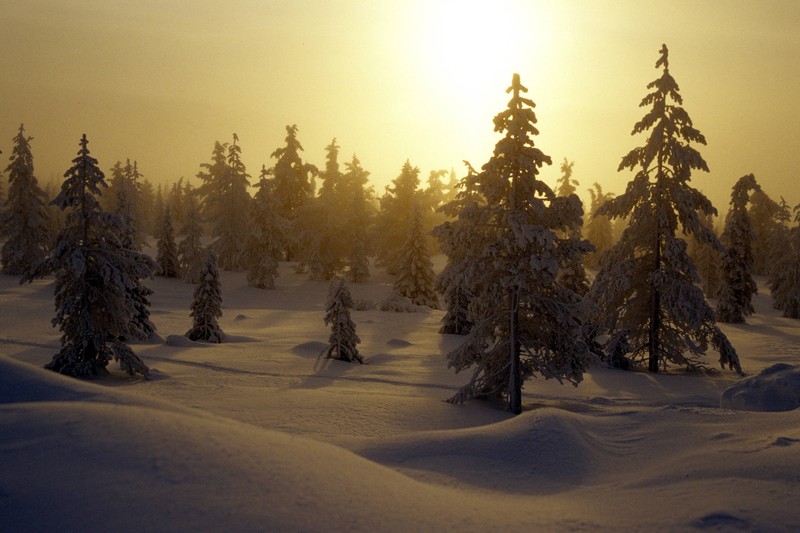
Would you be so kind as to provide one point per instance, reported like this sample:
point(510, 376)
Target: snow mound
point(311, 348)
point(776, 388)
point(399, 304)
point(168, 471)
point(399, 343)
point(21, 382)
point(184, 342)
point(539, 452)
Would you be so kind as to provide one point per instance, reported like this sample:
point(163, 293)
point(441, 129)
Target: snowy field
point(258, 434)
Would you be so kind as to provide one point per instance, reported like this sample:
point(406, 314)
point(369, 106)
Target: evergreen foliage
point(598, 227)
point(207, 304)
point(645, 294)
point(294, 180)
point(394, 218)
point(191, 253)
point(707, 259)
point(95, 273)
point(343, 340)
point(358, 220)
point(225, 203)
point(525, 322)
point(24, 220)
point(416, 278)
point(784, 282)
point(269, 232)
point(764, 213)
point(738, 285)
point(167, 257)
point(571, 272)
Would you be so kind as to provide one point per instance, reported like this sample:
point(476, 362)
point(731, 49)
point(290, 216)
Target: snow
point(262, 434)
point(776, 388)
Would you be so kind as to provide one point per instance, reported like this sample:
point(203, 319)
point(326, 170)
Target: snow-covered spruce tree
point(738, 286)
point(191, 252)
point(343, 341)
point(24, 220)
point(394, 217)
point(167, 257)
point(764, 212)
point(141, 327)
point(225, 203)
point(416, 278)
point(598, 227)
point(784, 281)
point(207, 304)
point(94, 272)
point(456, 241)
point(707, 260)
point(358, 220)
point(268, 236)
point(646, 290)
point(294, 182)
point(525, 322)
point(571, 273)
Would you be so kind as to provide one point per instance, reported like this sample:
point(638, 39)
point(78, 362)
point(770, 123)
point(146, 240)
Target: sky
point(159, 81)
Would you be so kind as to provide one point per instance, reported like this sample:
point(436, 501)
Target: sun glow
point(475, 46)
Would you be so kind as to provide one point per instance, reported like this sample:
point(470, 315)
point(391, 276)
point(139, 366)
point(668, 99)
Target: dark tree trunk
point(515, 372)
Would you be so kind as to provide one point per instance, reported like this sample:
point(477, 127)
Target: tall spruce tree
point(738, 286)
point(207, 304)
point(191, 252)
point(394, 217)
point(784, 281)
point(525, 322)
point(294, 181)
point(269, 232)
point(764, 212)
point(645, 293)
point(167, 257)
point(457, 243)
point(24, 220)
point(707, 259)
point(357, 220)
point(93, 272)
point(416, 278)
point(598, 227)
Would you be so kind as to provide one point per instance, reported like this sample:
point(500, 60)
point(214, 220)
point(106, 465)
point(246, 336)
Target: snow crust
point(263, 435)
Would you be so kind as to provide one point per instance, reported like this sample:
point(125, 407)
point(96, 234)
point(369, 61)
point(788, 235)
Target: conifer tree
point(416, 278)
point(191, 253)
point(707, 258)
point(645, 293)
point(207, 304)
point(784, 281)
point(93, 271)
point(268, 236)
point(167, 258)
point(525, 322)
point(764, 212)
point(598, 227)
point(24, 220)
point(738, 285)
point(456, 241)
point(343, 340)
point(571, 272)
point(357, 220)
point(394, 217)
point(294, 180)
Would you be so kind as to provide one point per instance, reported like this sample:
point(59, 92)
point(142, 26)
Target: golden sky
point(159, 81)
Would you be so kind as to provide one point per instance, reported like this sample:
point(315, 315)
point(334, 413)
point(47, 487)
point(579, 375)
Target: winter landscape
point(303, 345)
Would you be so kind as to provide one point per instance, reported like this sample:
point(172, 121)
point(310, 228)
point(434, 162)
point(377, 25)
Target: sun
point(476, 46)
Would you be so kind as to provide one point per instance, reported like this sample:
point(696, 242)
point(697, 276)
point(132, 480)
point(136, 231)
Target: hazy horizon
point(160, 82)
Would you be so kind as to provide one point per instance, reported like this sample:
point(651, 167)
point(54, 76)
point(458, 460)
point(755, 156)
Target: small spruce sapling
point(207, 304)
point(343, 340)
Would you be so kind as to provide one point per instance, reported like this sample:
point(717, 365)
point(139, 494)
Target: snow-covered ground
point(259, 434)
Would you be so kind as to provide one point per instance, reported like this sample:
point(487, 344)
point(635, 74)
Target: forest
point(522, 280)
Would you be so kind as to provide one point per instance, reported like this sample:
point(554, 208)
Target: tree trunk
point(515, 372)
